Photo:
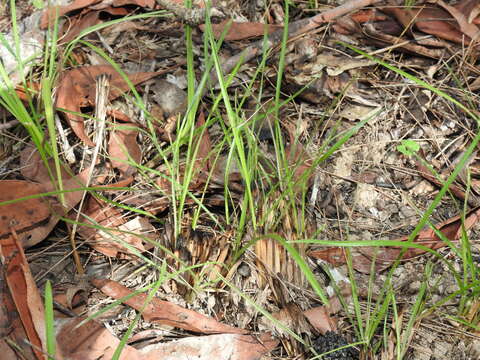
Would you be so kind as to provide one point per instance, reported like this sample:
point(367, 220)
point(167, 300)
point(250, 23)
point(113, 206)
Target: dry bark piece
point(78, 86)
point(123, 147)
point(166, 313)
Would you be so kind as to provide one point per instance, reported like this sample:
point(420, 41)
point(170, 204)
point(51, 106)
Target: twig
point(9, 124)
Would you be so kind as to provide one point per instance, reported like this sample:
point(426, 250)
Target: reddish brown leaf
point(24, 292)
point(221, 346)
point(34, 219)
point(77, 89)
point(166, 313)
point(49, 14)
point(21, 216)
point(429, 19)
point(123, 147)
point(11, 326)
point(320, 319)
point(469, 29)
point(33, 168)
point(241, 31)
point(91, 341)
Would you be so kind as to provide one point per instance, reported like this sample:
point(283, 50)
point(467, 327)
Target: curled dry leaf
point(77, 90)
point(383, 257)
point(123, 148)
point(166, 313)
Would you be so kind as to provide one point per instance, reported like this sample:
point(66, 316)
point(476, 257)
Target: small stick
point(9, 124)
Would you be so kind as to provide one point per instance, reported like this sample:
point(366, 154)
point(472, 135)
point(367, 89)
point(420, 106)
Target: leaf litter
point(342, 204)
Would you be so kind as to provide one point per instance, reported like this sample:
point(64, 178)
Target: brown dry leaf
point(123, 147)
point(48, 16)
point(77, 89)
point(469, 29)
point(8, 353)
point(77, 24)
point(34, 219)
point(24, 292)
point(11, 327)
point(362, 257)
point(472, 199)
point(141, 3)
point(241, 31)
point(90, 341)
point(428, 19)
point(221, 346)
point(21, 216)
point(164, 312)
point(291, 317)
point(469, 8)
point(88, 5)
point(319, 317)
point(111, 243)
point(33, 168)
